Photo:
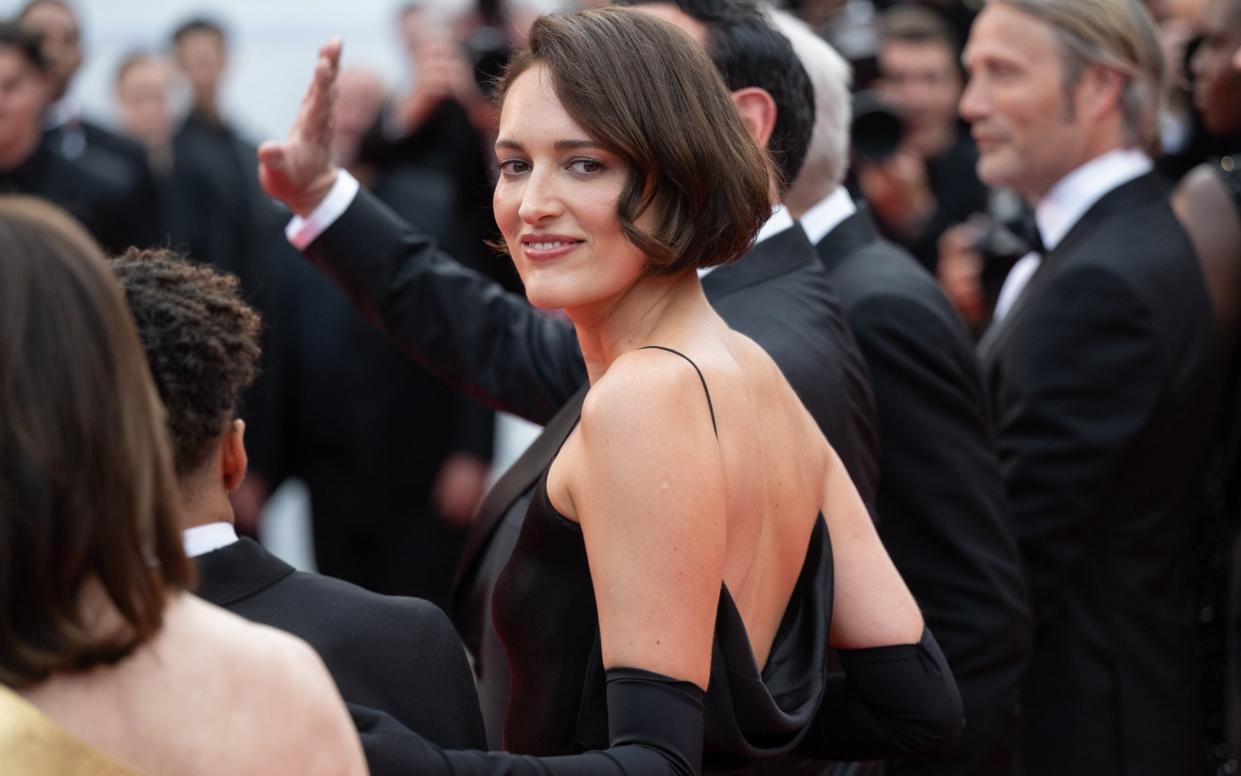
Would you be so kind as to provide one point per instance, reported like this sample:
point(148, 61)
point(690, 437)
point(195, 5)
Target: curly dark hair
point(201, 341)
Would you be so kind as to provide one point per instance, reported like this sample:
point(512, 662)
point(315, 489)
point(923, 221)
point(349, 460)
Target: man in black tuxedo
point(88, 143)
point(496, 347)
point(1102, 369)
point(943, 512)
point(397, 655)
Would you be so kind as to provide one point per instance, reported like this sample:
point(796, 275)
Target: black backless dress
point(544, 611)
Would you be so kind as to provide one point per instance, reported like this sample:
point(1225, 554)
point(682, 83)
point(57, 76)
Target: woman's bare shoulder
point(267, 690)
point(648, 419)
point(653, 388)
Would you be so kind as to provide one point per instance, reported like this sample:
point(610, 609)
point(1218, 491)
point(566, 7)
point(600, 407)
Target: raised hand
point(299, 170)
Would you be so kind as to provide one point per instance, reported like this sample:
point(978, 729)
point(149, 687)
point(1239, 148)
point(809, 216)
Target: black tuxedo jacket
point(399, 655)
point(108, 207)
point(122, 161)
point(1103, 373)
point(368, 450)
point(943, 513)
point(495, 346)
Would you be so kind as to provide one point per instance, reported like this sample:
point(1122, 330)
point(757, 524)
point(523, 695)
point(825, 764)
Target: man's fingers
point(316, 120)
point(271, 154)
point(331, 50)
point(272, 164)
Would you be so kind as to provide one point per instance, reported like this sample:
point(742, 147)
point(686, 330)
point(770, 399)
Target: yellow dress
point(31, 744)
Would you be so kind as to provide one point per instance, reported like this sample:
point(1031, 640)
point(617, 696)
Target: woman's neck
point(650, 310)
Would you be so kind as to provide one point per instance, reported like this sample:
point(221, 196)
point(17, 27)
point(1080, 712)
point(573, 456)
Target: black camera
point(877, 130)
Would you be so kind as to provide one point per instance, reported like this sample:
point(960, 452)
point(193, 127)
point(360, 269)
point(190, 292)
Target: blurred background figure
point(956, 551)
point(200, 46)
point(394, 478)
point(108, 206)
point(105, 153)
point(1208, 202)
point(142, 90)
point(361, 96)
point(220, 214)
point(144, 112)
point(1104, 379)
point(441, 127)
point(1184, 142)
point(928, 184)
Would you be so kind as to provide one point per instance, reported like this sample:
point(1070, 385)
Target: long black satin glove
point(655, 726)
point(890, 702)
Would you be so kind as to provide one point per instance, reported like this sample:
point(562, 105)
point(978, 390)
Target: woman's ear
point(757, 110)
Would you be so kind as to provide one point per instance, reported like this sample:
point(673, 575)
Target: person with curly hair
point(393, 654)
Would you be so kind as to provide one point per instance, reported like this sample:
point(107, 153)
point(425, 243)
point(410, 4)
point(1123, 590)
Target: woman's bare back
point(773, 458)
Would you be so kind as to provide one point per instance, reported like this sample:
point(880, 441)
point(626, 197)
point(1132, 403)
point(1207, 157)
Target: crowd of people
point(884, 353)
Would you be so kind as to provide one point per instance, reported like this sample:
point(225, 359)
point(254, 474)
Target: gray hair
point(1117, 34)
point(827, 159)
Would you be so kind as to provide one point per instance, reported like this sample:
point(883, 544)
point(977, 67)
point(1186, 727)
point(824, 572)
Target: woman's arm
point(897, 696)
point(871, 606)
point(655, 725)
point(644, 478)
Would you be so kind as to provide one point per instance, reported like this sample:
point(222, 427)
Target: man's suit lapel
point(846, 238)
point(238, 571)
point(785, 252)
point(519, 478)
point(1124, 197)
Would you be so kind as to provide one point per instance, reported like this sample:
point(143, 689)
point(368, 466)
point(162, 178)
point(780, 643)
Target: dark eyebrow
point(568, 145)
point(560, 145)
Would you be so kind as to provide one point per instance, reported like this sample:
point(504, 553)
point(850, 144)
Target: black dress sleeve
point(897, 701)
point(655, 726)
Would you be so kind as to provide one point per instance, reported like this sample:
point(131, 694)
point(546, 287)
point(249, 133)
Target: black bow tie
point(1026, 228)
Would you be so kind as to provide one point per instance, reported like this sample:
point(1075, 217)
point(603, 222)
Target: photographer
point(929, 183)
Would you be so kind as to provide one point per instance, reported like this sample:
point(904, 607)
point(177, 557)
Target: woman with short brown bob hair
point(673, 140)
point(695, 544)
point(113, 665)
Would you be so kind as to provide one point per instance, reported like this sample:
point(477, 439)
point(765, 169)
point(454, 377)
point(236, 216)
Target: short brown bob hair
point(641, 88)
point(87, 492)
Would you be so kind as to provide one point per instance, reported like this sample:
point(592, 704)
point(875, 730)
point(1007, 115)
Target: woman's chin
point(548, 302)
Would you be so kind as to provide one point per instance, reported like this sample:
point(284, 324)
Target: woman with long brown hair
point(107, 665)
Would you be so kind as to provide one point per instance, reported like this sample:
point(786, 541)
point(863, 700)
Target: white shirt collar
point(779, 220)
point(62, 112)
point(202, 539)
point(1078, 191)
point(827, 214)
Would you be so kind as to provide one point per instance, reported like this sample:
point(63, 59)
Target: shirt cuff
point(303, 231)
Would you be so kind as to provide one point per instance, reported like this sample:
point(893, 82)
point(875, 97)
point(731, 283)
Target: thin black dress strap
point(705, 390)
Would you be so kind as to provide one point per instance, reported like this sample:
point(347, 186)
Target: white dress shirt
point(827, 214)
point(303, 231)
point(202, 539)
point(1064, 206)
